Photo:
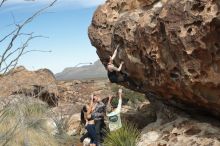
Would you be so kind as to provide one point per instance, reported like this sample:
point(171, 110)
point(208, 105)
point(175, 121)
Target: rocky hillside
point(40, 84)
point(171, 47)
point(160, 124)
point(93, 71)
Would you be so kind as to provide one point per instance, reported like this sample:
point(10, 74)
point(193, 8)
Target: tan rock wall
point(170, 47)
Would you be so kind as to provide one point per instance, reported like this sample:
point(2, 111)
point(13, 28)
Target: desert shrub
point(25, 123)
point(128, 135)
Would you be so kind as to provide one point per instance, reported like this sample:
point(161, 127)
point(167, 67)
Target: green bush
point(128, 135)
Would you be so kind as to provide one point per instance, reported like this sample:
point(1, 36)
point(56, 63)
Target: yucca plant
point(128, 135)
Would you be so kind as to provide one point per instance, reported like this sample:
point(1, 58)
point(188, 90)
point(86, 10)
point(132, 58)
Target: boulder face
point(174, 127)
point(40, 84)
point(170, 47)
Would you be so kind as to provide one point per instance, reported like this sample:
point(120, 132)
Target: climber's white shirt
point(114, 117)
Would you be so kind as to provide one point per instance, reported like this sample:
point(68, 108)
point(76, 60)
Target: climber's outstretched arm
point(120, 67)
point(115, 53)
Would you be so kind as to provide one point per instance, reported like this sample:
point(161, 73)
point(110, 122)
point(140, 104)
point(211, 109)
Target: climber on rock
point(112, 70)
point(115, 74)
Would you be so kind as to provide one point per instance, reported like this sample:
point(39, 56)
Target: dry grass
point(23, 124)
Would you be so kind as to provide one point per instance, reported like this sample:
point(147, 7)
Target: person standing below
point(90, 125)
point(113, 113)
point(98, 114)
point(87, 119)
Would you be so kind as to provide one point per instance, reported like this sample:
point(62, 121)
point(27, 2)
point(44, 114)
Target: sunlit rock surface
point(170, 47)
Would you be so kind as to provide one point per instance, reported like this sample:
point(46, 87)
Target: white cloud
point(80, 3)
point(32, 5)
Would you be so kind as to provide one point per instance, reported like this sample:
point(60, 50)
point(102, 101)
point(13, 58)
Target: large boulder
point(170, 47)
point(40, 84)
point(173, 127)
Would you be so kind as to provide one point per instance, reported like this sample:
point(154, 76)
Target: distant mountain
point(93, 71)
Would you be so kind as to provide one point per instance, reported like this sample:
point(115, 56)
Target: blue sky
point(66, 25)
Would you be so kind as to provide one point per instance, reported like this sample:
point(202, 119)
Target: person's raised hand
point(92, 96)
point(120, 91)
point(110, 97)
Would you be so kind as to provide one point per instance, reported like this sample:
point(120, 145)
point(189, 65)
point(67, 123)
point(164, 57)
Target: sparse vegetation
point(128, 135)
point(26, 123)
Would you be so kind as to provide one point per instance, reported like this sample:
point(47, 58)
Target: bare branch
point(7, 35)
point(15, 64)
point(43, 51)
point(10, 45)
point(37, 13)
point(15, 60)
point(11, 53)
point(3, 1)
point(16, 33)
